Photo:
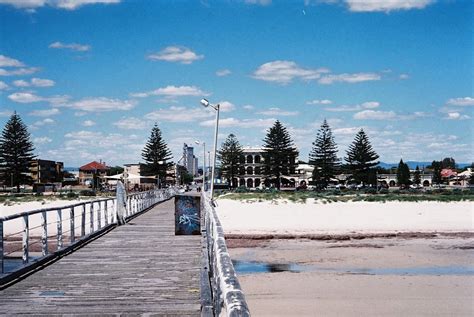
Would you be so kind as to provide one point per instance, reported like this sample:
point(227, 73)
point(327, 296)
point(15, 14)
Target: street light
point(203, 164)
point(206, 104)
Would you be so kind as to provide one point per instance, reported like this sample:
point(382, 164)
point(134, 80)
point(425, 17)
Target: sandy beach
point(360, 275)
point(315, 217)
point(16, 225)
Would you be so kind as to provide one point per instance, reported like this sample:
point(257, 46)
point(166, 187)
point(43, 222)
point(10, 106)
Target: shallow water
point(253, 267)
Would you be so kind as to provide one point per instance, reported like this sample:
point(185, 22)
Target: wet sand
point(338, 277)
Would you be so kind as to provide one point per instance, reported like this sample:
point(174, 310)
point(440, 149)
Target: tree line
point(279, 157)
point(280, 153)
point(360, 162)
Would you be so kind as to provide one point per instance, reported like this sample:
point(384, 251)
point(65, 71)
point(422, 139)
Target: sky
point(90, 78)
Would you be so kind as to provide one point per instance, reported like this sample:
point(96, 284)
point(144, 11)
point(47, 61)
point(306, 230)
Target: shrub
point(87, 192)
point(371, 190)
point(71, 195)
point(383, 191)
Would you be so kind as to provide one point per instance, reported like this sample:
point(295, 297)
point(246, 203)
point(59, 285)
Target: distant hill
point(413, 164)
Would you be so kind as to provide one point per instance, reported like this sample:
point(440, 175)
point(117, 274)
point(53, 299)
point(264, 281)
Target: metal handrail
point(227, 294)
point(101, 215)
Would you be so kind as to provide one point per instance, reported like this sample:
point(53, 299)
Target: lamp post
point(203, 164)
point(206, 104)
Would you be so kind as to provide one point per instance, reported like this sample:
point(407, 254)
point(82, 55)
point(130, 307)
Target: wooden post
point(91, 211)
point(72, 224)
point(44, 235)
point(59, 227)
point(1, 247)
point(83, 220)
point(26, 239)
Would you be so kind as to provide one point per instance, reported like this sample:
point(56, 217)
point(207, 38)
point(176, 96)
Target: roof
point(446, 172)
point(93, 166)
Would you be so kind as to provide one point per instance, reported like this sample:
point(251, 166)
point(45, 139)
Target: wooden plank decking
point(139, 268)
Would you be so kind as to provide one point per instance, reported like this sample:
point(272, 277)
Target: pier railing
point(32, 237)
point(226, 295)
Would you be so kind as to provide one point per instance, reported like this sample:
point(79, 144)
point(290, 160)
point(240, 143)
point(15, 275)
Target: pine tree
point(16, 152)
point(437, 167)
point(417, 176)
point(361, 157)
point(279, 153)
point(229, 156)
point(157, 156)
point(323, 155)
point(403, 174)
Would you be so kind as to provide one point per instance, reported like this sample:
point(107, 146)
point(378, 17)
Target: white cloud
point(3, 85)
point(179, 114)
point(362, 106)
point(223, 72)
point(6, 61)
point(101, 104)
point(248, 107)
point(21, 83)
point(39, 82)
point(375, 115)
point(386, 5)
point(259, 2)
point(25, 97)
point(43, 122)
point(131, 123)
point(226, 106)
point(456, 116)
point(88, 123)
point(18, 71)
point(83, 135)
point(349, 78)
point(5, 113)
point(278, 112)
point(403, 76)
point(176, 54)
point(42, 140)
point(29, 97)
point(74, 4)
point(244, 123)
point(462, 101)
point(35, 82)
point(45, 113)
point(319, 102)
point(172, 91)
point(61, 4)
point(73, 46)
point(284, 72)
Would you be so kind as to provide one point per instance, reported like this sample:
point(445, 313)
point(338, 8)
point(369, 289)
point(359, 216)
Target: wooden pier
point(138, 268)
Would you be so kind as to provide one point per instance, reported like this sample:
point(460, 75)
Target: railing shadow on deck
point(62, 230)
point(221, 293)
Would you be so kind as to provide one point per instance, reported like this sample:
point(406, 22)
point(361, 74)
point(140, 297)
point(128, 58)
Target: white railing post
point(44, 234)
point(83, 220)
point(59, 231)
point(106, 213)
point(26, 240)
point(72, 225)
point(99, 216)
point(1, 247)
point(91, 212)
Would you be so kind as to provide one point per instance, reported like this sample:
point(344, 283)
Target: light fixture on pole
point(203, 164)
point(206, 104)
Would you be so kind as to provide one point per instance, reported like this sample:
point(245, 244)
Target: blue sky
point(90, 78)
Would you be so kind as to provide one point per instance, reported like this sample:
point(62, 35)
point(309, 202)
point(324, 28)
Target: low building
point(90, 170)
point(251, 171)
point(44, 171)
point(130, 171)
